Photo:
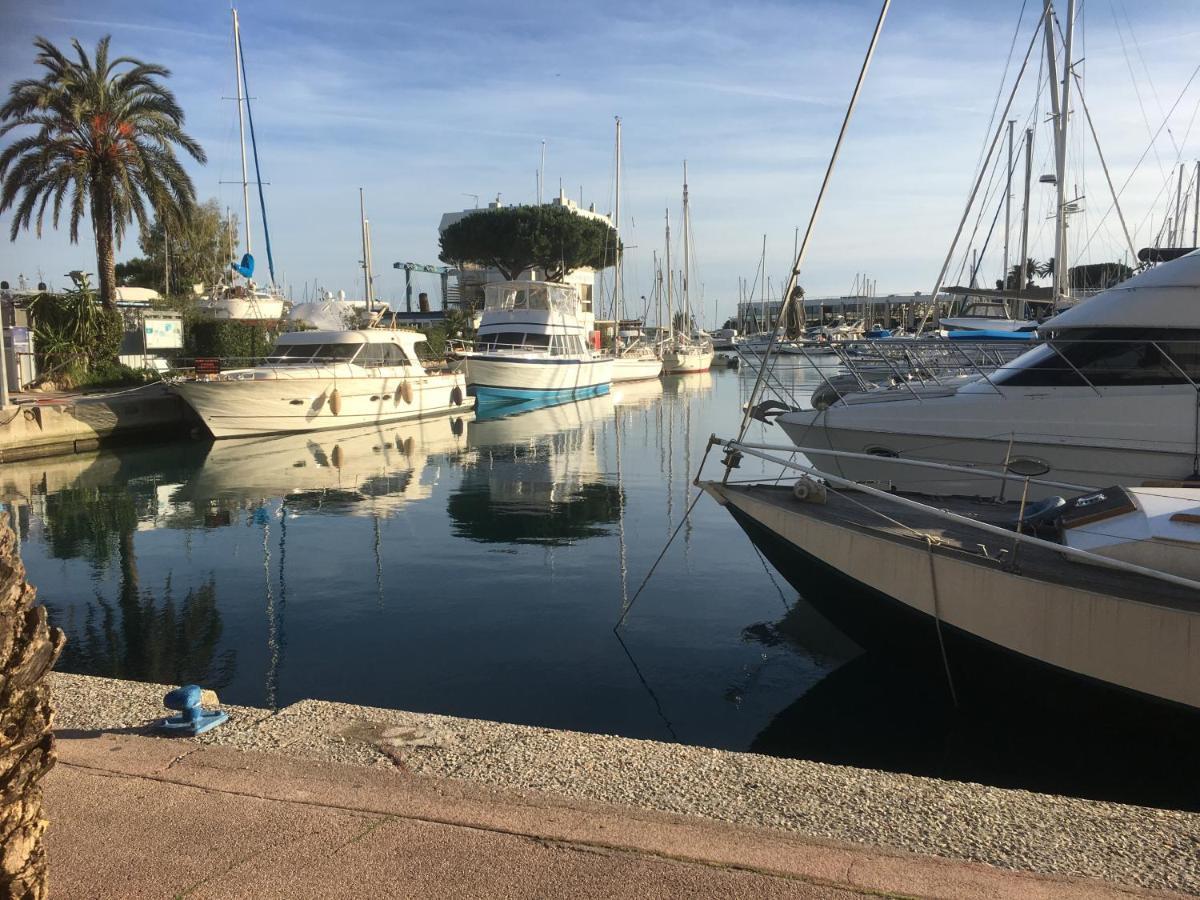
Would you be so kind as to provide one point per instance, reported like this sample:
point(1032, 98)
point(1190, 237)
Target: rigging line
point(937, 618)
point(789, 290)
point(1000, 87)
point(775, 583)
point(649, 690)
point(966, 212)
point(262, 200)
point(1145, 68)
point(667, 547)
point(1133, 81)
point(1154, 137)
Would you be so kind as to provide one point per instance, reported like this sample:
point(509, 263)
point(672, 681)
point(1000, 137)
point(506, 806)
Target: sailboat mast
point(241, 101)
point(687, 303)
point(1196, 209)
point(1008, 208)
point(1179, 210)
point(619, 303)
point(670, 280)
point(1062, 285)
point(366, 262)
point(1021, 275)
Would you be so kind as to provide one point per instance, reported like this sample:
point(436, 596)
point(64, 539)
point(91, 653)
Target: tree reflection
point(144, 638)
point(538, 517)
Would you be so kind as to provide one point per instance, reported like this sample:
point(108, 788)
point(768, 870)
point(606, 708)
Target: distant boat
point(533, 344)
point(686, 350)
point(314, 380)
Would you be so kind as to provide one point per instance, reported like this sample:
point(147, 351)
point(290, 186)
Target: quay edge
point(59, 425)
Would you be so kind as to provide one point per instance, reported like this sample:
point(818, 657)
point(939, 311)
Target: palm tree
point(104, 145)
point(28, 648)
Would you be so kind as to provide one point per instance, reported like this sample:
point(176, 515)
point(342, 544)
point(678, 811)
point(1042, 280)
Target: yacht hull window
point(1108, 357)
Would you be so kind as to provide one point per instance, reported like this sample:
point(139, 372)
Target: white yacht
point(636, 363)
point(1110, 397)
point(315, 380)
point(244, 303)
point(535, 343)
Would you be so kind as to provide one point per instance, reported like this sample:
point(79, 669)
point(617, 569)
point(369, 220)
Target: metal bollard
point(193, 719)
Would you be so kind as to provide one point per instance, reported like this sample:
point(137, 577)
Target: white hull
point(676, 362)
point(1128, 436)
point(286, 404)
point(246, 309)
point(1144, 647)
point(633, 369)
point(535, 375)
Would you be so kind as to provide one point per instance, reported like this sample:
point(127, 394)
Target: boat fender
point(337, 456)
point(809, 490)
point(409, 446)
point(335, 402)
point(406, 391)
point(456, 396)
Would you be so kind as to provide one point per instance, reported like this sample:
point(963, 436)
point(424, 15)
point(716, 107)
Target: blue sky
point(424, 103)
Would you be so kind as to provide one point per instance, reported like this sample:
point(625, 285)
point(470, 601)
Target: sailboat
point(237, 296)
point(637, 360)
point(684, 351)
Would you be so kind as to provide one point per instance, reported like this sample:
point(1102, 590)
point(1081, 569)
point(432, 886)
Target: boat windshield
point(1108, 356)
point(510, 296)
point(310, 354)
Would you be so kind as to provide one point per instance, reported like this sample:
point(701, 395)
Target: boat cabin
point(368, 348)
point(535, 317)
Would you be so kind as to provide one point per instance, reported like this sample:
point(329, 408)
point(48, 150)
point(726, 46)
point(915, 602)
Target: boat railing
point(216, 367)
point(765, 452)
point(853, 367)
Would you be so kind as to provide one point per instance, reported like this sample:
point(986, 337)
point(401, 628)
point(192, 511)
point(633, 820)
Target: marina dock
point(390, 803)
point(75, 423)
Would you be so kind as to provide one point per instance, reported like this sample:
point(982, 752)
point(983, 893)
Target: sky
point(424, 105)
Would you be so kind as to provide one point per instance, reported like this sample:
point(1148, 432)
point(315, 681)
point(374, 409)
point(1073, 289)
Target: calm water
point(476, 568)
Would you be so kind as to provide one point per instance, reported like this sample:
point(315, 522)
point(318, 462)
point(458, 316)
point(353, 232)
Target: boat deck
point(864, 512)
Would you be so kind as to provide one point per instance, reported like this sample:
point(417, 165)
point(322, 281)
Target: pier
point(58, 424)
point(388, 803)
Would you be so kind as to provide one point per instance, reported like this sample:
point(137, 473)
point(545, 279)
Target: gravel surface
point(1007, 828)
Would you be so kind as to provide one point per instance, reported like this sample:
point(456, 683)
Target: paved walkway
point(135, 816)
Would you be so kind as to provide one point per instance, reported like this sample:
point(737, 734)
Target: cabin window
point(375, 355)
point(537, 341)
point(1108, 357)
point(310, 354)
point(501, 340)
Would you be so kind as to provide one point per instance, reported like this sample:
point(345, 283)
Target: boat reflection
point(373, 470)
point(535, 477)
point(638, 394)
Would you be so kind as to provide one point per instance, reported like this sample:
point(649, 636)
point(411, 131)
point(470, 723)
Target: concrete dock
point(325, 799)
point(52, 424)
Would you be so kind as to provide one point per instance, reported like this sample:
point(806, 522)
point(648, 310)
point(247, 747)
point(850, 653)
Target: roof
point(1166, 296)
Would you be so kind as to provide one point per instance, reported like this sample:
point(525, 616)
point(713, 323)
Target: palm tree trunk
point(102, 224)
point(28, 649)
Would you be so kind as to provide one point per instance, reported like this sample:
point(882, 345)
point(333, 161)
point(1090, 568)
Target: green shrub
point(227, 340)
point(74, 333)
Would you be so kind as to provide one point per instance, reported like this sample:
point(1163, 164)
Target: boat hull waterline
point(274, 406)
point(507, 379)
point(888, 602)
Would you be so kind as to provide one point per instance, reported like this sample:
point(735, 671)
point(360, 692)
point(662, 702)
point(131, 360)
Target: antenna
point(475, 196)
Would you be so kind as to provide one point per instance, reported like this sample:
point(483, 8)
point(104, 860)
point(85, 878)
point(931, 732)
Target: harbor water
point(475, 566)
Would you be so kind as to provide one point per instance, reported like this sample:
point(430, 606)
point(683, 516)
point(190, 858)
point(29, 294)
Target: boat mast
point(366, 252)
point(1062, 286)
point(687, 303)
point(1008, 209)
point(241, 100)
point(1196, 210)
point(670, 280)
point(1179, 210)
point(1021, 275)
point(618, 290)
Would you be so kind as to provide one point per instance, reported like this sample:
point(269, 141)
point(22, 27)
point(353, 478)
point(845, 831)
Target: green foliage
point(226, 340)
point(74, 335)
point(1098, 276)
point(197, 246)
point(517, 238)
point(138, 272)
point(102, 146)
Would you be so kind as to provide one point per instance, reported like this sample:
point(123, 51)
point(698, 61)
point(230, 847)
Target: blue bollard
point(192, 719)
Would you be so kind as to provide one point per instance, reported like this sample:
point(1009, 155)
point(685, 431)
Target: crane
point(443, 271)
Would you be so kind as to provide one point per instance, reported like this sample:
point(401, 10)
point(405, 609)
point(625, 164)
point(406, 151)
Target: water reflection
point(373, 470)
point(535, 476)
